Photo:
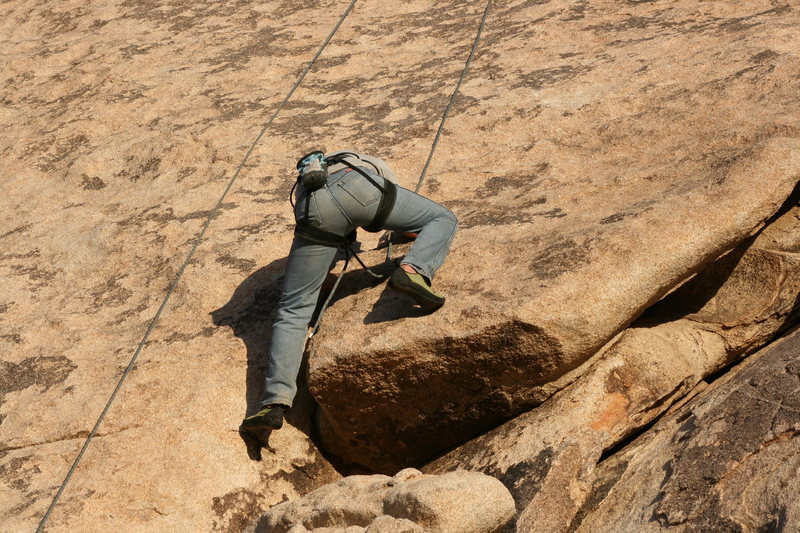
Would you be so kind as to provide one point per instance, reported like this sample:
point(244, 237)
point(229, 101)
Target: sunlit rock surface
point(597, 156)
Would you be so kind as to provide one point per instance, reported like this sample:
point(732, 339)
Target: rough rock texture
point(456, 502)
point(547, 457)
point(599, 155)
point(123, 121)
point(727, 461)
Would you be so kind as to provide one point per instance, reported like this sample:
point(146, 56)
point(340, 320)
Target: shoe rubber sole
point(264, 420)
point(425, 298)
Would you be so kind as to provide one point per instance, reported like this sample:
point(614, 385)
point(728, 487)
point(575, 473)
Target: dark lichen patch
point(18, 229)
point(15, 255)
point(541, 78)
point(57, 152)
point(42, 371)
point(205, 214)
point(576, 11)
point(613, 218)
point(275, 223)
point(184, 337)
point(553, 213)
point(128, 314)
point(40, 276)
point(185, 172)
point(600, 489)
point(765, 56)
point(237, 263)
point(110, 293)
point(140, 169)
point(561, 257)
point(736, 25)
point(634, 211)
point(230, 108)
point(54, 23)
point(627, 42)
point(92, 183)
point(523, 480)
point(18, 472)
point(13, 338)
point(496, 184)
point(471, 214)
point(236, 510)
point(162, 216)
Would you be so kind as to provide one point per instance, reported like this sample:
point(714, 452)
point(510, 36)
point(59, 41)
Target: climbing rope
point(181, 271)
point(455, 93)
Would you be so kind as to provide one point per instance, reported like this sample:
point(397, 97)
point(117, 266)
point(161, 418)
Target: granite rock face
point(727, 461)
point(456, 502)
point(123, 122)
point(547, 457)
point(598, 156)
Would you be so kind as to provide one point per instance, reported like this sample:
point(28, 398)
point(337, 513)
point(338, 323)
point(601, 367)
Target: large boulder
point(727, 461)
point(597, 156)
point(547, 457)
point(456, 502)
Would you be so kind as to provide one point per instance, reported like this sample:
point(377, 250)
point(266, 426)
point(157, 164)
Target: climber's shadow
point(250, 313)
point(392, 306)
point(389, 305)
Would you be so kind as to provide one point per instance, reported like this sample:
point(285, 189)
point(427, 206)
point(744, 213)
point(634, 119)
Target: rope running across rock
point(212, 214)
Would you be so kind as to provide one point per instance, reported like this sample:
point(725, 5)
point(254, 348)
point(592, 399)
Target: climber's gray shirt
point(361, 160)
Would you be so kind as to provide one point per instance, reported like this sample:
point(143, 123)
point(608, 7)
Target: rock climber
point(355, 191)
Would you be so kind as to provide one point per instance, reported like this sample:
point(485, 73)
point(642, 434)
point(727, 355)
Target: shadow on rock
point(250, 313)
point(393, 306)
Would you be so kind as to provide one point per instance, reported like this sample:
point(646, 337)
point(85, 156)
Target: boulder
point(597, 156)
point(456, 502)
point(727, 461)
point(547, 457)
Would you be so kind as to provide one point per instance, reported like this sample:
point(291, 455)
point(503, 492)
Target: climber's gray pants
point(347, 202)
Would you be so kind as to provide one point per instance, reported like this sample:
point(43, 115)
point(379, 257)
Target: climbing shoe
point(268, 417)
point(415, 286)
